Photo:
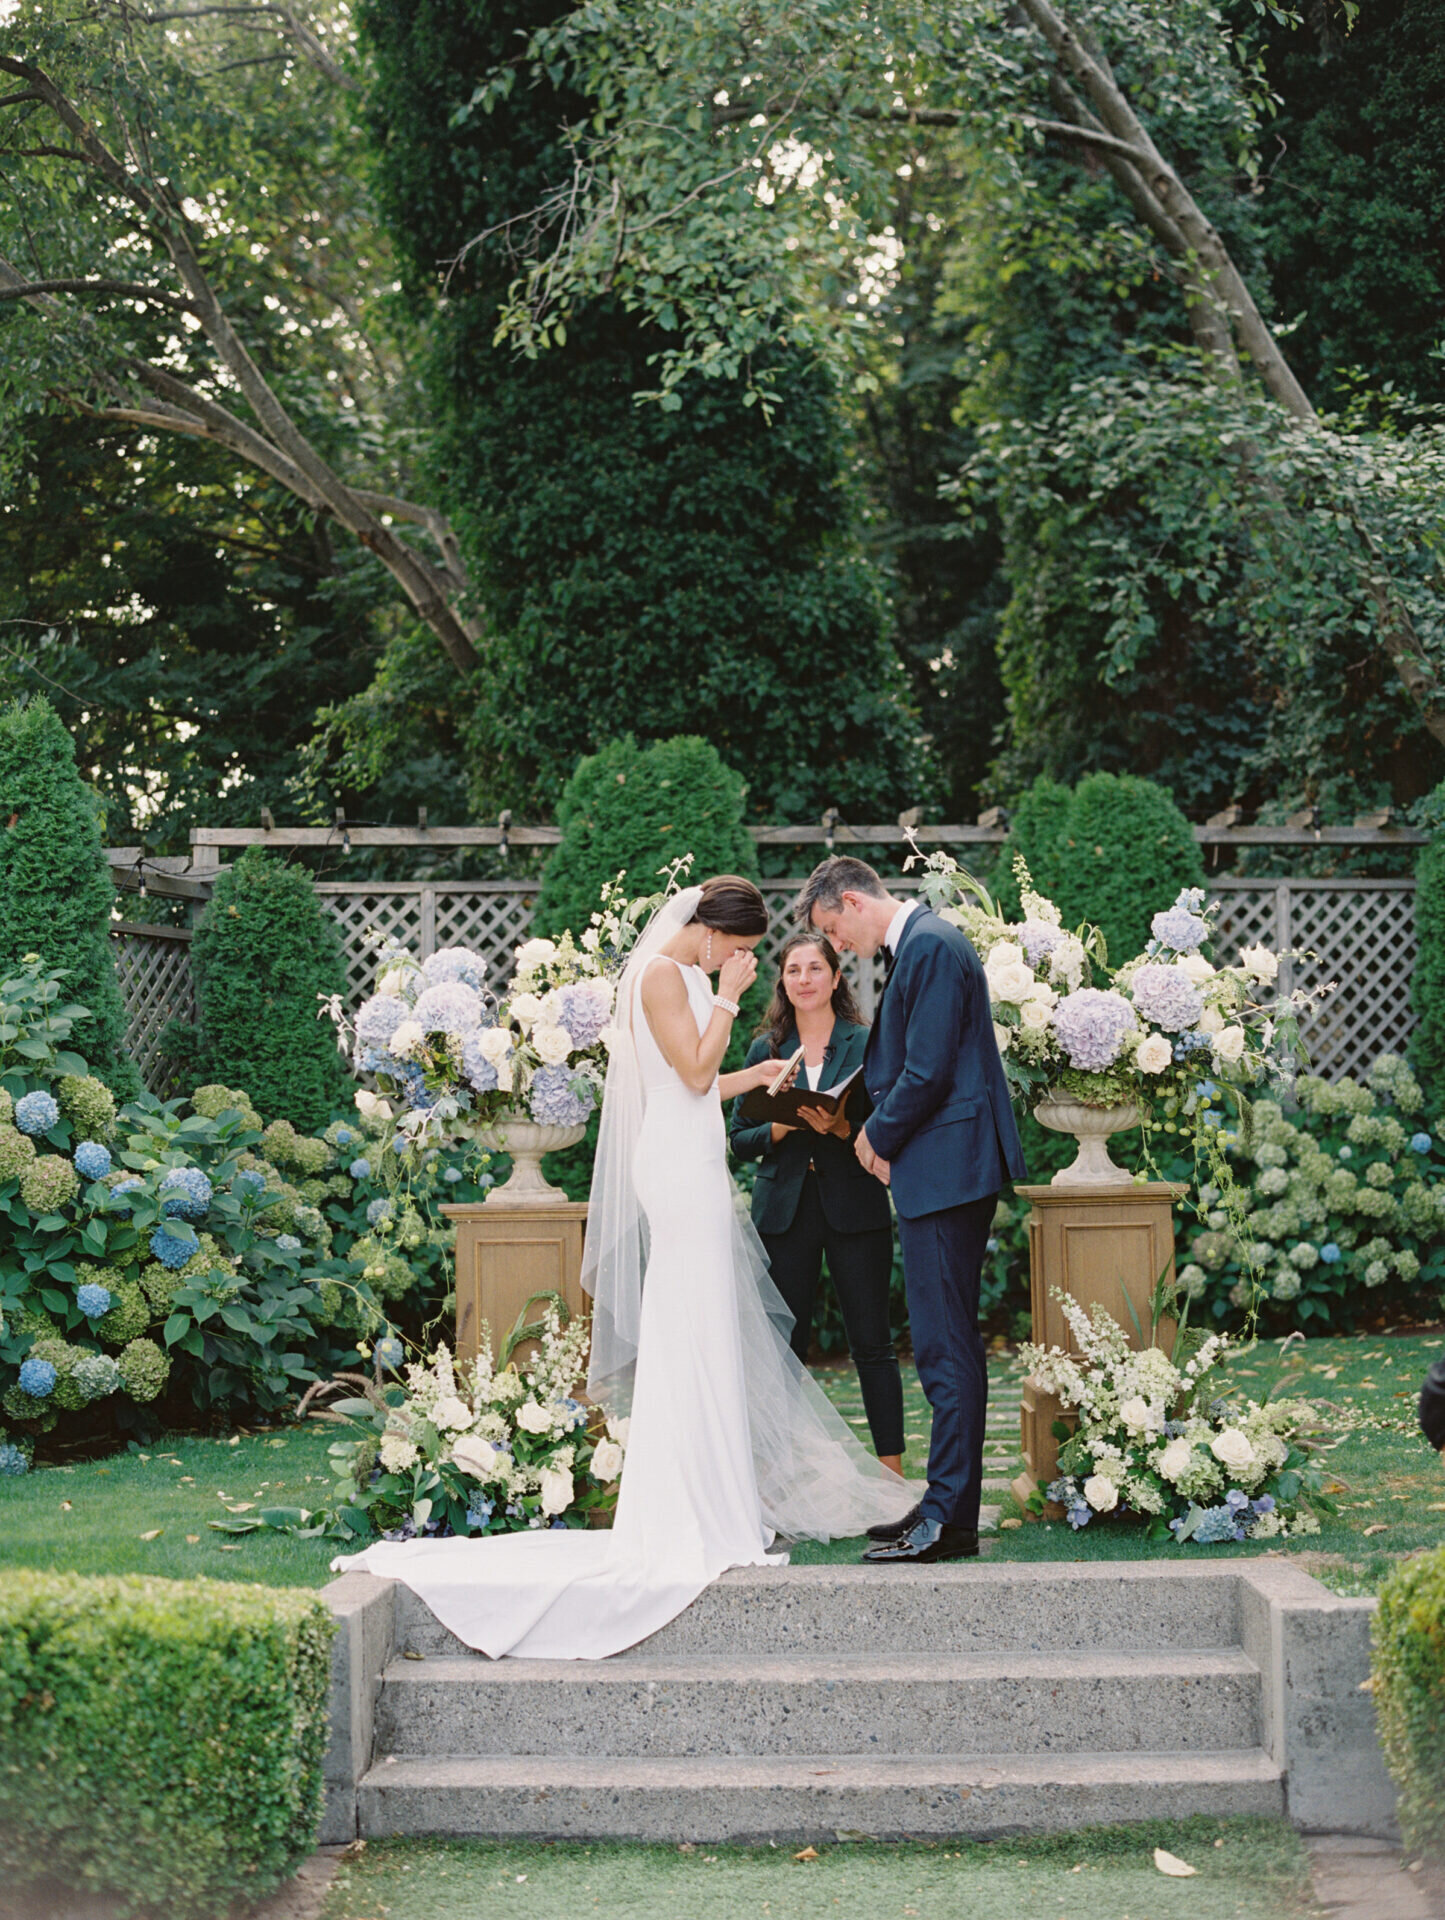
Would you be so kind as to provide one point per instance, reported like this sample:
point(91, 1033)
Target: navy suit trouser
point(942, 1263)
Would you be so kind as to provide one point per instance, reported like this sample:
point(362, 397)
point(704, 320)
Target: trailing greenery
point(1427, 983)
point(263, 958)
point(56, 893)
point(1409, 1689)
point(163, 1739)
point(634, 809)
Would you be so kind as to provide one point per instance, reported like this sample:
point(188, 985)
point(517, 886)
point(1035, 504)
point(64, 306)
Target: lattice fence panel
point(154, 970)
point(492, 923)
point(1365, 940)
point(1247, 918)
point(363, 918)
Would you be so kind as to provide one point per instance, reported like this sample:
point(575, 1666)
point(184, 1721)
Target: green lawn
point(1246, 1870)
point(92, 1517)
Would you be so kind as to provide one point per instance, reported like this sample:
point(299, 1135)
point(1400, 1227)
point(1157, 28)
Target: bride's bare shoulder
point(662, 982)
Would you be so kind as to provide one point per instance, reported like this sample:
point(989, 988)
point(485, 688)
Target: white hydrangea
point(397, 1453)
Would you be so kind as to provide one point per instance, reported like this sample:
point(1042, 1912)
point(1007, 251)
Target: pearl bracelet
point(728, 1006)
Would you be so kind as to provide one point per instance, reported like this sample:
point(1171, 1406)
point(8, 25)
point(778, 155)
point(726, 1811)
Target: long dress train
point(732, 1442)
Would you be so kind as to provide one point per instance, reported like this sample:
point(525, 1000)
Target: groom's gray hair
point(830, 880)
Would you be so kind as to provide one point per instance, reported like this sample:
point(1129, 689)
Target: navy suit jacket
point(941, 1110)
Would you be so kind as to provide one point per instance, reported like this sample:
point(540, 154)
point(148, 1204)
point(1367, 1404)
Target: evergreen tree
point(644, 570)
point(1124, 851)
point(1427, 984)
point(263, 956)
point(55, 887)
point(633, 810)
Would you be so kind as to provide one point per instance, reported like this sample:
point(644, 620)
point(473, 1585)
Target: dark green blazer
point(853, 1201)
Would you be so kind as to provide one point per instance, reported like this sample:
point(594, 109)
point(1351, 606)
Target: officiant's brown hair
point(730, 904)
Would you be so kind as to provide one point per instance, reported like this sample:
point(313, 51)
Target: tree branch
point(122, 288)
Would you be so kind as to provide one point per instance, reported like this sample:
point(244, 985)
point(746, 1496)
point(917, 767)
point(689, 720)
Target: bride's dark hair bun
point(730, 904)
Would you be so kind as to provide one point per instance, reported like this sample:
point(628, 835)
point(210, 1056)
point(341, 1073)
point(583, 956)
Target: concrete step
point(968, 1607)
point(655, 1706)
point(801, 1797)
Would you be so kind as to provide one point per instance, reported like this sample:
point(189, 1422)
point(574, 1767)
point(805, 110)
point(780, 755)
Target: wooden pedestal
point(1104, 1246)
point(507, 1254)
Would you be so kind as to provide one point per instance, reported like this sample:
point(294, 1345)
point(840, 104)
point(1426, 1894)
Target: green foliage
point(633, 810)
point(1037, 821)
point(263, 958)
point(163, 1738)
point(1427, 983)
point(684, 568)
point(1344, 1215)
point(1123, 849)
point(1409, 1693)
point(55, 887)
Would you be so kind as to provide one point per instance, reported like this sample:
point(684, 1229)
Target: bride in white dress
point(732, 1442)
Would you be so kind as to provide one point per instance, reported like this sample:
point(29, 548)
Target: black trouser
point(860, 1265)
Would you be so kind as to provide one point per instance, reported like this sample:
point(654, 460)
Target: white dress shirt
point(895, 925)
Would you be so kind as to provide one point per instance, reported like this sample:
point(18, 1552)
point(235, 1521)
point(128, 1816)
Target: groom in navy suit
point(942, 1136)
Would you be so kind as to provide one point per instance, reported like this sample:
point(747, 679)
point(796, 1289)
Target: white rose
point(1228, 1043)
point(533, 1419)
point(1138, 1416)
point(609, 1037)
point(1195, 966)
point(1211, 1021)
point(557, 1490)
point(535, 953)
point(1042, 994)
point(398, 1454)
point(1173, 1463)
point(620, 1430)
point(396, 982)
point(1011, 983)
point(409, 1038)
point(1231, 1449)
point(1006, 953)
point(1259, 962)
point(451, 1414)
point(1100, 1493)
point(494, 1044)
point(606, 1460)
point(1002, 1035)
point(524, 1008)
point(504, 1076)
point(1154, 1055)
point(371, 1106)
point(551, 1044)
point(476, 1457)
point(1037, 1013)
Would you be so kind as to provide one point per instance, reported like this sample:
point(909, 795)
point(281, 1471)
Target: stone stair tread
point(642, 1669)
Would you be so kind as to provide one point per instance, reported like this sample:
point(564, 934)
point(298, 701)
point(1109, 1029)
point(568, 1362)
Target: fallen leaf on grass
point(192, 1539)
point(1005, 1525)
point(65, 1507)
point(1436, 1506)
point(154, 1534)
point(1379, 1527)
point(239, 1506)
point(230, 1546)
point(1171, 1864)
point(808, 1853)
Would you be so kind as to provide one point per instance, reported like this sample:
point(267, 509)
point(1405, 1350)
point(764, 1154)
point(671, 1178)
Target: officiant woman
point(812, 1198)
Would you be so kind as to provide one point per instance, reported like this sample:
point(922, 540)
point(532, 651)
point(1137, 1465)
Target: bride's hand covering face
point(737, 973)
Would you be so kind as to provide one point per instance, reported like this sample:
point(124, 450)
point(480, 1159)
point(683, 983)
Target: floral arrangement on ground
point(447, 1447)
point(1157, 1442)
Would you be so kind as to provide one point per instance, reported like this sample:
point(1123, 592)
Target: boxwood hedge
point(1409, 1686)
point(161, 1741)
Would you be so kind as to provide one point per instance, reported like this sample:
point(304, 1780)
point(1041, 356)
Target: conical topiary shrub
point(1125, 851)
point(263, 956)
point(1427, 984)
point(56, 892)
point(635, 809)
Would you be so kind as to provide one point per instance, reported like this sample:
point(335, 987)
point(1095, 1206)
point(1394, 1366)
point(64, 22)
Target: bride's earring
point(707, 953)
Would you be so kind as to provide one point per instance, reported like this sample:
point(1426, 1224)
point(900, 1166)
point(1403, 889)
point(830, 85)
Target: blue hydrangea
point(480, 1071)
point(584, 1012)
point(1194, 1042)
point(1179, 929)
point(36, 1112)
point(1216, 1525)
point(13, 1459)
point(1167, 996)
point(92, 1160)
point(1038, 938)
point(250, 1182)
point(360, 1169)
point(389, 1352)
point(1080, 1515)
point(559, 1100)
point(37, 1378)
point(1091, 1026)
point(131, 1184)
point(1420, 1143)
point(455, 963)
point(377, 1019)
point(1236, 1500)
point(93, 1300)
point(480, 1510)
point(345, 1136)
point(451, 1175)
point(170, 1251)
point(1264, 1504)
point(1330, 1253)
point(381, 1208)
point(414, 1087)
point(185, 1194)
point(288, 1243)
point(451, 1007)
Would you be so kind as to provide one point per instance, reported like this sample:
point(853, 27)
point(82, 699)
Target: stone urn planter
point(1091, 1127)
point(525, 1141)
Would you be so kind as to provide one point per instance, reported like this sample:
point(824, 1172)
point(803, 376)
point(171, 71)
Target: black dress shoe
point(895, 1529)
point(926, 1540)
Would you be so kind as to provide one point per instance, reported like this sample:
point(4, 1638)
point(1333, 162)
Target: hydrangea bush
point(1344, 1214)
point(500, 1446)
point(1159, 1440)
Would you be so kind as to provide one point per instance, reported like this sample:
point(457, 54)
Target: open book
point(780, 1101)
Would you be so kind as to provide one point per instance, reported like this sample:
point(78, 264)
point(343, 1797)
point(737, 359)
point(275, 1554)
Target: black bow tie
point(889, 958)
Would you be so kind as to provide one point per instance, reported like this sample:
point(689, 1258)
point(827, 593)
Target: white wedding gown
point(732, 1441)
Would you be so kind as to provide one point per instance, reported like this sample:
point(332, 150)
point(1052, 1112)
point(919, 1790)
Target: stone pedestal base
point(1107, 1246)
point(507, 1254)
